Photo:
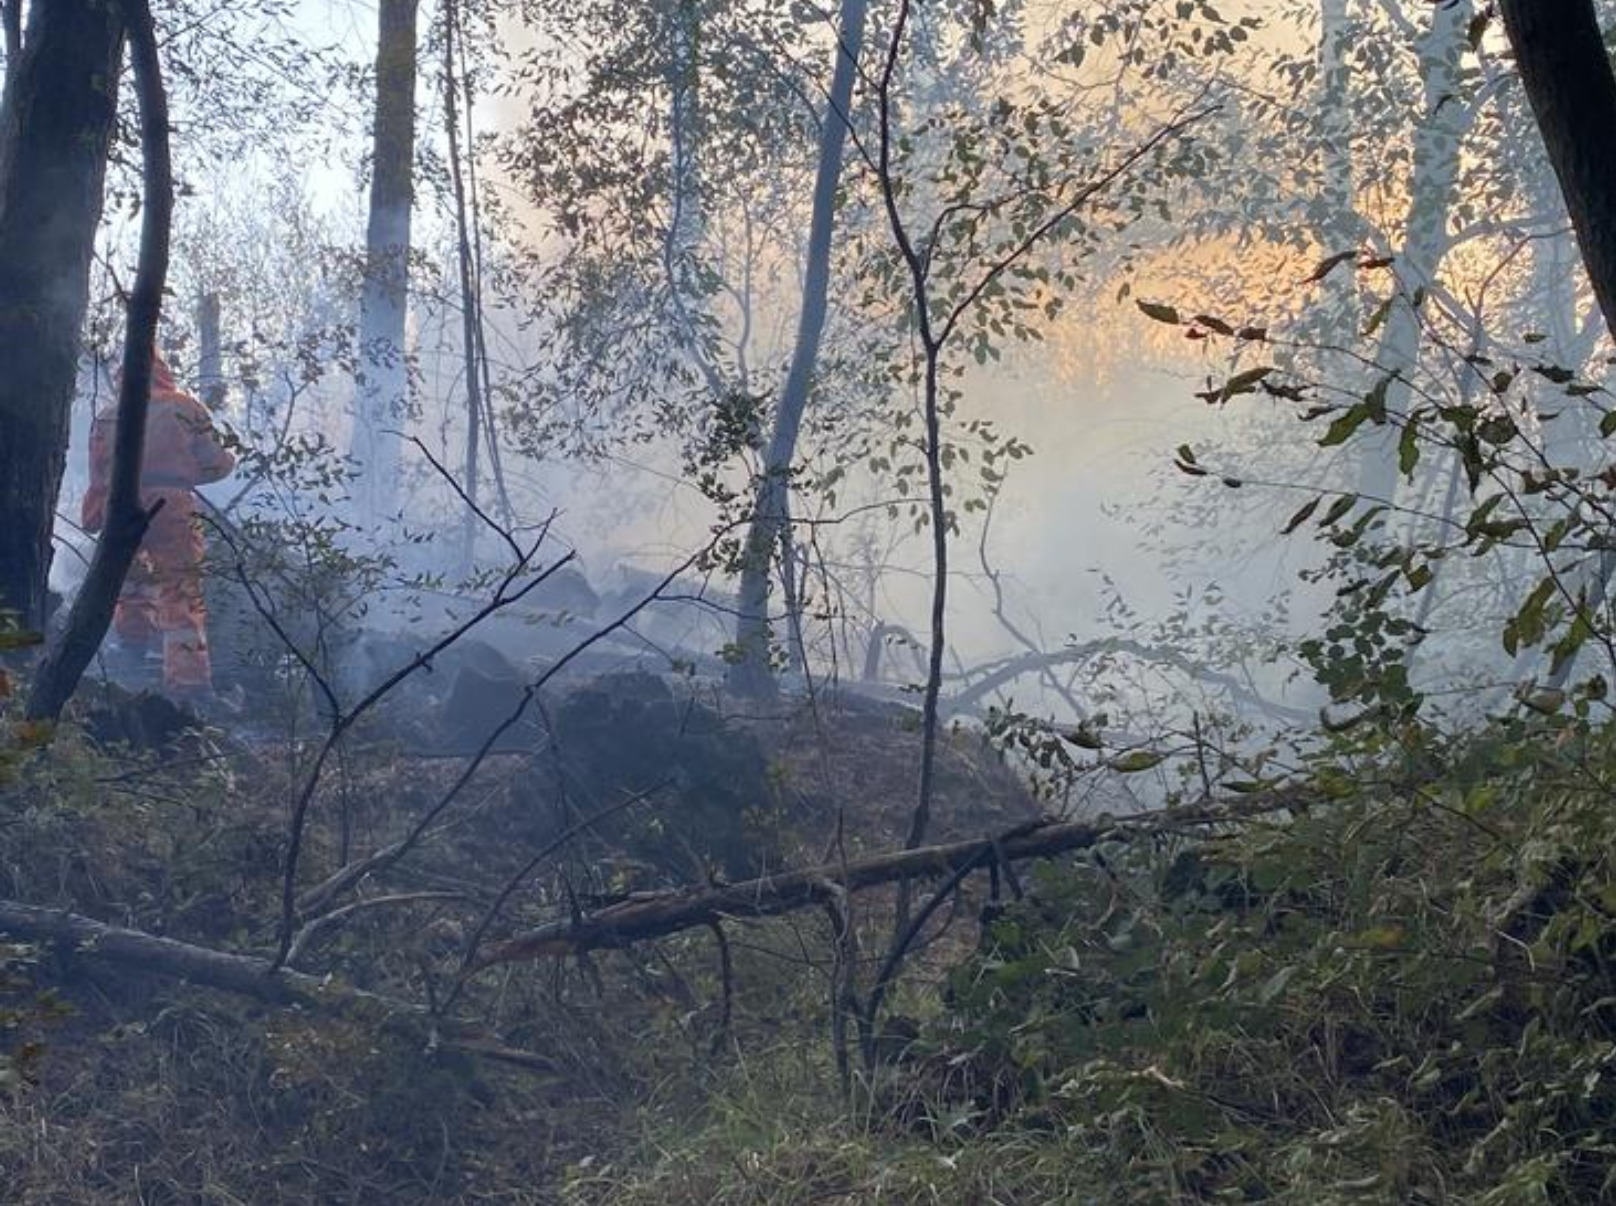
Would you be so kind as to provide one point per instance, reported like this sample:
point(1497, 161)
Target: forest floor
point(132, 1087)
point(1394, 984)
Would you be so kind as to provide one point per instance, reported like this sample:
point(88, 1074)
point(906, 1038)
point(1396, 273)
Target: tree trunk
point(94, 941)
point(470, 296)
point(127, 518)
point(1571, 439)
point(648, 915)
point(55, 129)
point(384, 304)
point(1567, 75)
point(1336, 220)
point(11, 22)
point(685, 126)
point(1445, 118)
point(1569, 83)
point(210, 351)
point(750, 676)
point(681, 246)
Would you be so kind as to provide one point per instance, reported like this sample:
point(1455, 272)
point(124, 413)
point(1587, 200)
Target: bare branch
point(648, 915)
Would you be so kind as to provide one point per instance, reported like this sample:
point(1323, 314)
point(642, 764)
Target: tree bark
point(11, 22)
point(657, 914)
point(384, 303)
point(56, 124)
point(470, 296)
point(1336, 218)
point(682, 244)
point(1566, 72)
point(1438, 140)
point(210, 349)
point(244, 975)
point(685, 128)
point(750, 676)
point(127, 518)
point(164, 956)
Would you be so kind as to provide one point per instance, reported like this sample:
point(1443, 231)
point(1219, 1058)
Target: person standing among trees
point(162, 595)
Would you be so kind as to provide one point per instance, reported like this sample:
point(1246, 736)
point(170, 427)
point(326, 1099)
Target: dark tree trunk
point(127, 518)
point(1567, 75)
point(384, 306)
point(55, 130)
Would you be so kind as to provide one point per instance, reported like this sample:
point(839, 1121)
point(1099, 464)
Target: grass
point(1403, 992)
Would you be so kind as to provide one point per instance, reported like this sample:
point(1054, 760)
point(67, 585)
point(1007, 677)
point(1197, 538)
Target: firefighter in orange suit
point(163, 592)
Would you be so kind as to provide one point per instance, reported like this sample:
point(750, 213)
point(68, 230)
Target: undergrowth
point(1402, 991)
point(1399, 988)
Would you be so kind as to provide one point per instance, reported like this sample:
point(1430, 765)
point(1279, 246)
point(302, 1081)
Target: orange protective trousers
point(163, 593)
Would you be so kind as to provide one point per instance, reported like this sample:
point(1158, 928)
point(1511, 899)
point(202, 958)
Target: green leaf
point(1338, 508)
point(1375, 399)
point(1275, 985)
point(1408, 449)
point(1329, 265)
point(1136, 761)
point(1528, 625)
point(1083, 737)
point(1382, 937)
point(1546, 703)
point(1379, 316)
point(1159, 312)
point(1567, 646)
point(1346, 423)
point(1247, 787)
point(1303, 514)
point(1244, 383)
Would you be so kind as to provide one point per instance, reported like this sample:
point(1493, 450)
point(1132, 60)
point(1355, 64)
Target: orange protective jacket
point(182, 449)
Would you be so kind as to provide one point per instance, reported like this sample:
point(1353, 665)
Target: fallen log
point(77, 936)
point(646, 915)
point(636, 918)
